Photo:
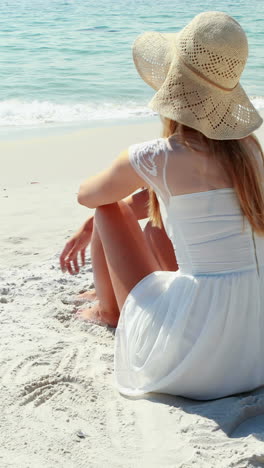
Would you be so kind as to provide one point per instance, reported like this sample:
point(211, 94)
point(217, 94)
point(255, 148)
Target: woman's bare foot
point(87, 296)
point(95, 314)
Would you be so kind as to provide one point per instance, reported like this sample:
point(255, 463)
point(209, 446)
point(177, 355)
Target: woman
point(195, 332)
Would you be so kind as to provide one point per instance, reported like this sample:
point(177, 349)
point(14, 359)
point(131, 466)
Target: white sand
point(59, 407)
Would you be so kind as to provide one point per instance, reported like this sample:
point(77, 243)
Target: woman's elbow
point(80, 198)
point(83, 199)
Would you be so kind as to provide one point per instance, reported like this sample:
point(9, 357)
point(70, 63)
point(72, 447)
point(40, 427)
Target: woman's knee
point(104, 209)
point(113, 211)
point(161, 247)
point(152, 234)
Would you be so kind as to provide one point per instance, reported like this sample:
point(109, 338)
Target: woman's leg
point(127, 253)
point(161, 247)
point(106, 310)
point(156, 243)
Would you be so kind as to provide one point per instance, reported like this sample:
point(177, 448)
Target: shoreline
point(21, 133)
point(25, 132)
point(42, 124)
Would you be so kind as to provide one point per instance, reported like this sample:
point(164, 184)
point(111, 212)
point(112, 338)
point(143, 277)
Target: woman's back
point(199, 209)
point(189, 167)
point(210, 234)
point(192, 168)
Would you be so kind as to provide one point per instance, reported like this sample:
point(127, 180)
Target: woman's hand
point(77, 243)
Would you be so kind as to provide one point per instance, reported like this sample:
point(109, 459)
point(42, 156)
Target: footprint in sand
point(42, 390)
point(19, 369)
point(254, 426)
point(32, 278)
point(5, 295)
point(16, 239)
point(249, 418)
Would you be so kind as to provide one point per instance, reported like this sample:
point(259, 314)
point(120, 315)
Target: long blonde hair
point(238, 160)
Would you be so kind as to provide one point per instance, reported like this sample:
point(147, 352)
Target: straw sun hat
point(196, 75)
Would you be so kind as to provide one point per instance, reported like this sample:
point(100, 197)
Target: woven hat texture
point(196, 75)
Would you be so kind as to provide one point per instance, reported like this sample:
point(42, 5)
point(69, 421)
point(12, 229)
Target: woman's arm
point(138, 202)
point(111, 185)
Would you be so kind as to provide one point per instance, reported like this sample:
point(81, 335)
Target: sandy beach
point(59, 406)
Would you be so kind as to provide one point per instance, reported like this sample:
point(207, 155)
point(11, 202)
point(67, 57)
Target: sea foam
point(19, 113)
point(14, 112)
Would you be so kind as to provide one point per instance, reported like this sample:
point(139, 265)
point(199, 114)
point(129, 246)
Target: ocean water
point(69, 62)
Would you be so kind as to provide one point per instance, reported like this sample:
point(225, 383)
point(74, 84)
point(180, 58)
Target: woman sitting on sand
point(196, 331)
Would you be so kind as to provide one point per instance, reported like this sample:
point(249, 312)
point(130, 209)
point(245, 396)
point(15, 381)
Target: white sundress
point(197, 332)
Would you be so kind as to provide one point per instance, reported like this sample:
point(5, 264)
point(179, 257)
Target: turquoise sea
point(69, 62)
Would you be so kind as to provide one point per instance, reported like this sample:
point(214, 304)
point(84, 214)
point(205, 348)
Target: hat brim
point(152, 55)
point(186, 97)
